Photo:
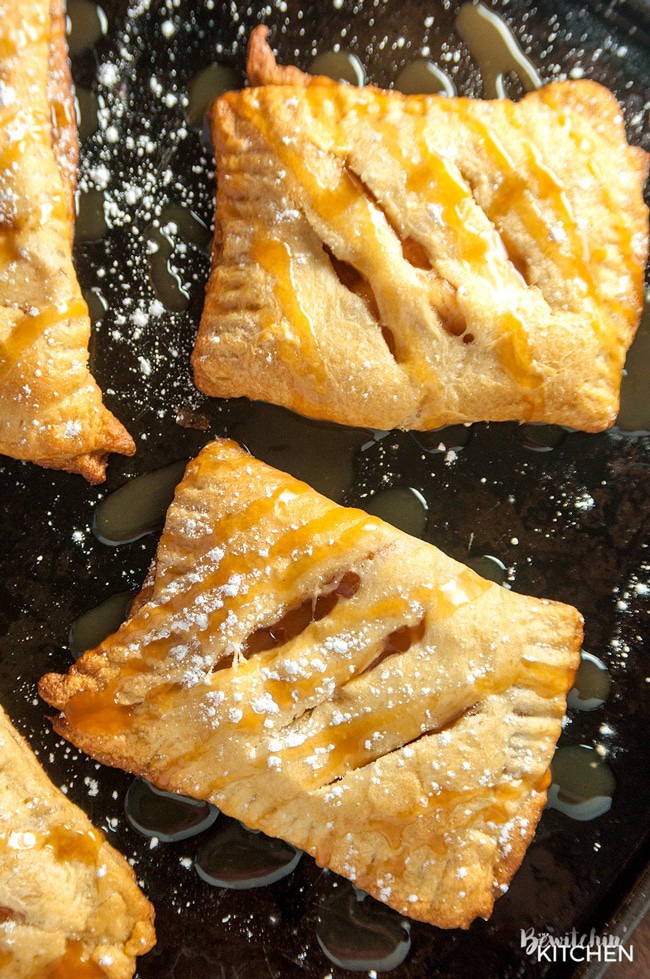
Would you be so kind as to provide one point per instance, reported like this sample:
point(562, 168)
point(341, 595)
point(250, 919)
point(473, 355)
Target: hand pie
point(390, 261)
point(69, 903)
point(51, 409)
point(332, 681)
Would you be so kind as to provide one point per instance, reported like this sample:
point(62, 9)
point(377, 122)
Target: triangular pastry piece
point(327, 679)
point(69, 903)
point(51, 409)
point(415, 261)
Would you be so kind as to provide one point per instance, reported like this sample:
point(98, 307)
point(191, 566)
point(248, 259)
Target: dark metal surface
point(531, 509)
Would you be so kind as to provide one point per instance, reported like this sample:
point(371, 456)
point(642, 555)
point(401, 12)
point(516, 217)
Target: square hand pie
point(412, 262)
point(69, 903)
point(329, 680)
point(51, 409)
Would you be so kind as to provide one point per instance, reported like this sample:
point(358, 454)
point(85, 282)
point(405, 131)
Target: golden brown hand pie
point(392, 261)
point(51, 409)
point(332, 681)
point(69, 903)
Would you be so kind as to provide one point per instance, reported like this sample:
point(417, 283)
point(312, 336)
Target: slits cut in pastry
point(51, 409)
point(329, 680)
point(69, 903)
point(414, 261)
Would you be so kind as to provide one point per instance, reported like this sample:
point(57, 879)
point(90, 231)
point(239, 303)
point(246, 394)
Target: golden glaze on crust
point(391, 261)
point(69, 903)
point(51, 409)
point(329, 680)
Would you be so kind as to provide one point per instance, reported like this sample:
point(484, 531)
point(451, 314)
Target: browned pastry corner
point(69, 903)
point(332, 681)
point(387, 261)
point(51, 409)
point(263, 69)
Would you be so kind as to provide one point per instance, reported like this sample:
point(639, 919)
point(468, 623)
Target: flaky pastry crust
point(415, 261)
point(69, 903)
point(51, 409)
point(327, 679)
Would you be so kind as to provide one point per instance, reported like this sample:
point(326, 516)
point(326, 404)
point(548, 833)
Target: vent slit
point(515, 257)
point(355, 282)
point(414, 253)
point(446, 306)
point(9, 914)
point(518, 260)
point(295, 620)
point(449, 312)
point(441, 729)
point(389, 339)
point(399, 641)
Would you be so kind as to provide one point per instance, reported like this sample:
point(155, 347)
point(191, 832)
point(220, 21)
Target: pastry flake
point(51, 409)
point(415, 261)
point(329, 680)
point(69, 903)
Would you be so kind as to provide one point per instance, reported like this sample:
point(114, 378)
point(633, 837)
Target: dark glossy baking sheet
point(569, 522)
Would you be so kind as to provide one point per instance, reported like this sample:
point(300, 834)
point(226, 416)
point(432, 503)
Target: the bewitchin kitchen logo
point(573, 947)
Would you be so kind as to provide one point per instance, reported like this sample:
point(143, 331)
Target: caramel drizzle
point(74, 844)
point(343, 204)
point(626, 230)
point(35, 118)
point(335, 534)
point(437, 180)
point(275, 258)
point(573, 256)
point(30, 212)
point(345, 526)
point(75, 963)
point(36, 130)
point(67, 843)
point(29, 328)
point(99, 711)
point(444, 809)
point(353, 745)
point(31, 116)
point(622, 222)
point(515, 192)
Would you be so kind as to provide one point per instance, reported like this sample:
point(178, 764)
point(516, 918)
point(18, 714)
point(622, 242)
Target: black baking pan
point(547, 511)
